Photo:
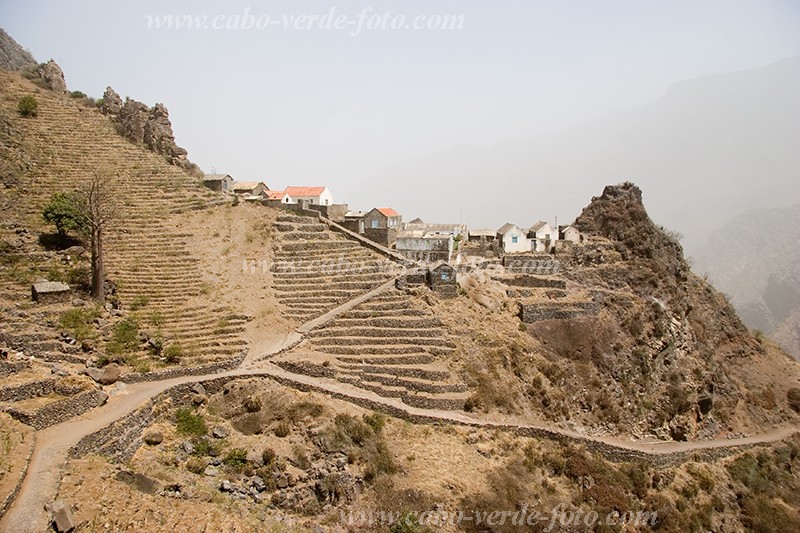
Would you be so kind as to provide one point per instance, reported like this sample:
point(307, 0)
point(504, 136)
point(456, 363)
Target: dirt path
point(27, 514)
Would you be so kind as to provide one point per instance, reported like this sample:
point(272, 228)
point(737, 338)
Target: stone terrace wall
point(535, 282)
point(7, 368)
point(536, 312)
point(120, 440)
point(180, 371)
point(23, 472)
point(58, 412)
point(33, 389)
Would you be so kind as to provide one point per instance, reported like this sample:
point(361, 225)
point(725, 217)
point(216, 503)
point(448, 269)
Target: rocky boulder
point(63, 519)
point(52, 76)
point(107, 375)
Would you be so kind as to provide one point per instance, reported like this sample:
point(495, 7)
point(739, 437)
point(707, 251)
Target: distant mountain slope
point(755, 259)
point(710, 148)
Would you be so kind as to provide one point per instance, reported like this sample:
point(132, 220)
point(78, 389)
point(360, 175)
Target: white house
point(513, 239)
point(542, 237)
point(570, 233)
point(312, 195)
point(280, 196)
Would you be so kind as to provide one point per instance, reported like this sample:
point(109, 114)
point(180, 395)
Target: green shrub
point(79, 322)
point(189, 423)
point(77, 94)
point(204, 447)
point(28, 106)
point(235, 458)
point(139, 301)
point(65, 213)
point(173, 353)
point(124, 337)
point(376, 421)
point(407, 523)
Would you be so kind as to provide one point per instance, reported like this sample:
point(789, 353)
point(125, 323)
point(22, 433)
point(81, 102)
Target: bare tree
point(99, 209)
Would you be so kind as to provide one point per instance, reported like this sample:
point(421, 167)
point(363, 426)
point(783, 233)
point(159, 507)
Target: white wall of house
point(515, 240)
point(540, 238)
point(572, 234)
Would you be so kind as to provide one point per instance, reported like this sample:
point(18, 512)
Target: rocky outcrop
point(148, 126)
point(52, 76)
point(111, 103)
point(12, 55)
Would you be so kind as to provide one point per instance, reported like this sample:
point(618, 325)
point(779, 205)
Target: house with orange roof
point(310, 195)
point(383, 218)
point(280, 196)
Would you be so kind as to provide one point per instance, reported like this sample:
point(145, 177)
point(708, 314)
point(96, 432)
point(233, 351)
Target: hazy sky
point(324, 106)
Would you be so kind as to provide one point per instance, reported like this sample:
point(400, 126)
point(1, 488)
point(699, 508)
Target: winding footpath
point(40, 486)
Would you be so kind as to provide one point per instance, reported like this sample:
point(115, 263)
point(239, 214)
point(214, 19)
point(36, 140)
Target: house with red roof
point(280, 196)
point(382, 218)
point(311, 195)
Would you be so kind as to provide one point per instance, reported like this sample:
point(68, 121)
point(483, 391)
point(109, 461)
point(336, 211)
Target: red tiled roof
point(275, 195)
point(388, 212)
point(304, 191)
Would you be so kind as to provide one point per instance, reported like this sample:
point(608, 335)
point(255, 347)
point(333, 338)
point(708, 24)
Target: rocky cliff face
point(148, 126)
point(12, 55)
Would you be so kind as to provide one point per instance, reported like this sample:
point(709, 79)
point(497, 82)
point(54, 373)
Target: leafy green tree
point(64, 212)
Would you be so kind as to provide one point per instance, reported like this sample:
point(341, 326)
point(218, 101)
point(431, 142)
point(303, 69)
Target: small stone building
point(442, 280)
point(382, 217)
point(251, 188)
point(218, 182)
point(48, 292)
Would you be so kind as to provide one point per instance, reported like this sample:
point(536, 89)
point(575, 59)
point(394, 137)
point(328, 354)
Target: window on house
point(514, 239)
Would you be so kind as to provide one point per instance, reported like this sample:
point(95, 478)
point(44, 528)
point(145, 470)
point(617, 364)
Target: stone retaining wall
point(23, 472)
point(536, 312)
point(7, 368)
point(58, 412)
point(177, 372)
point(535, 282)
point(33, 389)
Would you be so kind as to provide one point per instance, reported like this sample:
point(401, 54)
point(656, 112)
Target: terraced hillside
point(317, 269)
point(389, 345)
point(151, 262)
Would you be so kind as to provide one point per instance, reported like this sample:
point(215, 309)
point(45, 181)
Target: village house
point(422, 245)
point(250, 188)
point(442, 280)
point(279, 197)
point(218, 182)
point(513, 239)
point(382, 217)
point(354, 221)
point(542, 237)
point(570, 234)
point(311, 195)
point(482, 235)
